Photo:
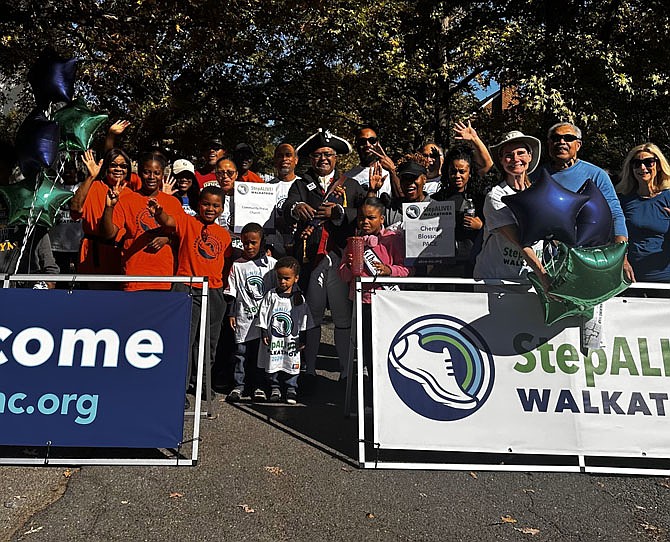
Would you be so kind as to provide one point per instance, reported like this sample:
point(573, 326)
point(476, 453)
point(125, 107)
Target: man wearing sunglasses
point(369, 150)
point(323, 207)
point(564, 140)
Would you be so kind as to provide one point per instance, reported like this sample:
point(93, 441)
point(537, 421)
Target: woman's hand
point(154, 207)
point(465, 133)
point(157, 243)
point(118, 127)
point(473, 222)
point(92, 166)
point(113, 194)
point(168, 185)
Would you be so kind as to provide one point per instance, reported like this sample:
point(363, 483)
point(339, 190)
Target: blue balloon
point(52, 79)
point(36, 143)
point(594, 221)
point(546, 210)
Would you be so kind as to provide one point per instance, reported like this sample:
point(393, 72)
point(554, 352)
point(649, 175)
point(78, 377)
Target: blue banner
point(93, 368)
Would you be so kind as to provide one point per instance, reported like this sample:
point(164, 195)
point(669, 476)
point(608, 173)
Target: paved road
point(276, 473)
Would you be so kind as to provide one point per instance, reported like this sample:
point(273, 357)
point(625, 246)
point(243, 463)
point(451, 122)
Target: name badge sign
point(429, 231)
point(255, 202)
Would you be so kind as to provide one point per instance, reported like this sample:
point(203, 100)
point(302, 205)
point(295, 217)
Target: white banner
point(483, 374)
point(255, 202)
point(429, 230)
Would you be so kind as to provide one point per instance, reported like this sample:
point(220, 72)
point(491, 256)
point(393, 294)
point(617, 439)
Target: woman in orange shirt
point(99, 256)
point(146, 249)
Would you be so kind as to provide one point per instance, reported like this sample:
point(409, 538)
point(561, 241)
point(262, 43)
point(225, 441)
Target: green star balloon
point(77, 125)
point(19, 198)
point(581, 278)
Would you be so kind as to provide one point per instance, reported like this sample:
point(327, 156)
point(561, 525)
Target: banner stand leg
point(47, 452)
point(350, 364)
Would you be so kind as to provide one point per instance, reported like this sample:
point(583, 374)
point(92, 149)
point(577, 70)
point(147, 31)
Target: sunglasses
point(363, 140)
point(117, 165)
point(648, 162)
point(225, 172)
point(568, 138)
point(317, 155)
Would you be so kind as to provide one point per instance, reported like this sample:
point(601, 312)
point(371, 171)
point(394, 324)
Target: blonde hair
point(628, 182)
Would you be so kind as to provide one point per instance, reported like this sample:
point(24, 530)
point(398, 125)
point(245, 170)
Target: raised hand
point(118, 127)
point(376, 179)
point(113, 194)
point(168, 185)
point(93, 167)
point(463, 132)
point(384, 158)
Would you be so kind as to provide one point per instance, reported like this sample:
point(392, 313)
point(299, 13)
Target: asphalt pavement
point(275, 473)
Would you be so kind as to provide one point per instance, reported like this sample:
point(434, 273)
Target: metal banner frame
point(372, 456)
point(173, 457)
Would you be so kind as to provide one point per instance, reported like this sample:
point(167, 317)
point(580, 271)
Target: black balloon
point(594, 221)
point(546, 210)
point(36, 143)
point(52, 79)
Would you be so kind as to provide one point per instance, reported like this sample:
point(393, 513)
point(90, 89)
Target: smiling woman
point(502, 255)
point(644, 192)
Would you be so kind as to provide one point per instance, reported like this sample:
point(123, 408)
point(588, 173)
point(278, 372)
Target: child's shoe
point(291, 397)
point(259, 395)
point(275, 395)
point(234, 396)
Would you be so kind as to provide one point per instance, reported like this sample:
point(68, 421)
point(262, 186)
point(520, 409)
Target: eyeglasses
point(568, 138)
point(648, 162)
point(363, 140)
point(225, 172)
point(121, 166)
point(317, 155)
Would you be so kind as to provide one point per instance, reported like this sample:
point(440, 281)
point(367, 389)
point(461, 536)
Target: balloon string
point(31, 224)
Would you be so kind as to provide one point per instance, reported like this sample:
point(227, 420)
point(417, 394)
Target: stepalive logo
point(440, 367)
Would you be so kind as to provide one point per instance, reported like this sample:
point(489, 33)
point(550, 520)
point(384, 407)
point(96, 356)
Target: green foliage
point(267, 71)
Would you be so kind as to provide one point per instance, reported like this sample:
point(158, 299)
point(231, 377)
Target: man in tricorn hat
point(323, 206)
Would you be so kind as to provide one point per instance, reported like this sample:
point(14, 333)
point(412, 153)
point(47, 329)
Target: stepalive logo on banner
point(488, 375)
point(93, 368)
point(440, 368)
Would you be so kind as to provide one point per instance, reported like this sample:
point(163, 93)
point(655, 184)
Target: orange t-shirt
point(206, 179)
point(204, 250)
point(135, 182)
point(97, 256)
point(250, 177)
point(137, 228)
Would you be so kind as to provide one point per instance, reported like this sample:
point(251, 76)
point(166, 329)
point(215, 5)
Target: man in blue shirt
point(563, 143)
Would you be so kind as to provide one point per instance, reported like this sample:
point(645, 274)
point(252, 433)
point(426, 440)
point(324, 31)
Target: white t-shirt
point(285, 321)
point(248, 282)
point(432, 185)
point(499, 257)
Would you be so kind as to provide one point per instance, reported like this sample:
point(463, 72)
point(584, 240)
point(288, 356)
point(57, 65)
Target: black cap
point(242, 148)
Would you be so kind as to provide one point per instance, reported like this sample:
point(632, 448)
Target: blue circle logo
point(440, 367)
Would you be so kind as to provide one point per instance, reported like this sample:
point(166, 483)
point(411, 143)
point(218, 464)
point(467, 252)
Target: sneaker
point(275, 396)
point(291, 397)
point(259, 395)
point(234, 396)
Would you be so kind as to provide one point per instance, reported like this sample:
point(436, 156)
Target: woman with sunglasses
point(645, 200)
point(99, 256)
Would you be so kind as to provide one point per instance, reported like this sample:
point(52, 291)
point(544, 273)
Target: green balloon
point(555, 309)
point(582, 278)
point(19, 198)
point(77, 125)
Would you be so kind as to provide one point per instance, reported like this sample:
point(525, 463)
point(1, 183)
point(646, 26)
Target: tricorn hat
point(323, 138)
